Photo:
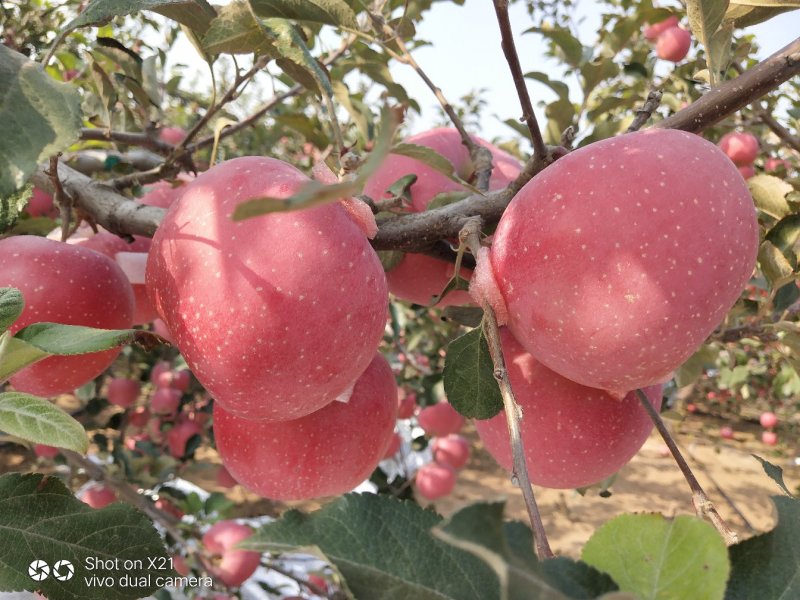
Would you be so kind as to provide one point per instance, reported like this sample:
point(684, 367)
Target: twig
point(144, 177)
point(702, 504)
point(510, 51)
point(648, 108)
point(777, 128)
point(142, 139)
point(60, 198)
point(470, 236)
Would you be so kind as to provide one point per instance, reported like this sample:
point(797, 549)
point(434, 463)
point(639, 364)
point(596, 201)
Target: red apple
point(165, 401)
point(158, 372)
point(233, 567)
point(651, 32)
point(70, 285)
point(768, 420)
point(747, 171)
point(726, 433)
point(123, 392)
point(161, 329)
point(440, 419)
point(394, 446)
point(574, 436)
point(772, 164)
point(277, 315)
point(41, 205)
point(770, 438)
point(224, 478)
point(168, 507)
point(691, 407)
point(98, 496)
point(434, 481)
point(45, 451)
point(741, 148)
point(325, 453)
point(673, 44)
point(172, 135)
point(618, 222)
point(179, 436)
point(139, 416)
point(180, 565)
point(452, 450)
point(164, 193)
point(406, 404)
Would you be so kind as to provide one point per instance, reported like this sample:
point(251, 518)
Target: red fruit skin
point(747, 171)
point(419, 277)
point(179, 435)
point(326, 453)
point(406, 405)
point(434, 481)
point(768, 420)
point(123, 392)
point(98, 496)
point(45, 451)
point(41, 205)
point(161, 329)
point(773, 164)
point(673, 44)
point(166, 506)
point(236, 566)
point(181, 380)
point(440, 419)
point(770, 438)
point(741, 148)
point(225, 479)
point(165, 401)
point(139, 416)
point(726, 433)
point(69, 285)
point(164, 193)
point(180, 566)
point(624, 245)
point(277, 315)
point(172, 135)
point(394, 446)
point(452, 450)
point(574, 436)
point(158, 372)
point(651, 32)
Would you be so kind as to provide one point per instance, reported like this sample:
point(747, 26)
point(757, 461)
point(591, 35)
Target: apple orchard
point(272, 339)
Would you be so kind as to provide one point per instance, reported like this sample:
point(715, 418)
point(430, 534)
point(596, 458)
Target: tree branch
point(777, 128)
point(647, 110)
point(143, 139)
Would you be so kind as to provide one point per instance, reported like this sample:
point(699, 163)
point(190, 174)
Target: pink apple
point(574, 436)
point(45, 451)
point(325, 453)
point(180, 565)
point(261, 329)
point(747, 171)
point(440, 419)
point(139, 416)
point(691, 407)
point(168, 507)
point(161, 329)
point(406, 404)
point(452, 450)
point(41, 205)
point(233, 567)
point(164, 193)
point(673, 44)
point(770, 438)
point(158, 373)
point(224, 478)
point(726, 433)
point(172, 135)
point(123, 391)
point(179, 436)
point(741, 148)
point(69, 285)
point(651, 32)
point(768, 420)
point(772, 164)
point(434, 481)
point(394, 446)
point(165, 401)
point(621, 218)
point(98, 496)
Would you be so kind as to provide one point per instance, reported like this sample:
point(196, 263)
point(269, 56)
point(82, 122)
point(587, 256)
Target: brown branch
point(734, 94)
point(143, 139)
point(60, 198)
point(777, 128)
point(510, 51)
point(647, 110)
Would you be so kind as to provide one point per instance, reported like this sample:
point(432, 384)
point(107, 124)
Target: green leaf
point(769, 193)
point(774, 265)
point(42, 520)
point(40, 117)
point(469, 381)
point(785, 235)
point(469, 316)
point(659, 558)
point(11, 207)
point(15, 355)
point(11, 305)
point(747, 16)
point(37, 420)
point(445, 198)
point(696, 364)
point(236, 30)
point(433, 159)
point(383, 548)
point(291, 47)
point(578, 580)
point(559, 87)
point(705, 17)
point(570, 46)
point(597, 71)
point(774, 472)
point(195, 14)
point(390, 259)
point(330, 12)
point(768, 566)
point(720, 50)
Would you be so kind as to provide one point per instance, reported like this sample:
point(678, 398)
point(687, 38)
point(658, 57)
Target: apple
point(233, 567)
point(41, 205)
point(45, 451)
point(770, 438)
point(440, 419)
point(168, 507)
point(165, 401)
point(98, 496)
point(224, 478)
point(434, 481)
point(69, 285)
point(691, 407)
point(406, 404)
point(123, 392)
point(178, 380)
point(673, 44)
point(139, 416)
point(584, 262)
point(452, 450)
point(574, 436)
point(326, 453)
point(394, 446)
point(161, 329)
point(741, 148)
point(164, 193)
point(158, 372)
point(768, 420)
point(276, 315)
point(726, 433)
point(772, 165)
point(172, 135)
point(747, 171)
point(180, 565)
point(418, 277)
point(651, 32)
point(179, 436)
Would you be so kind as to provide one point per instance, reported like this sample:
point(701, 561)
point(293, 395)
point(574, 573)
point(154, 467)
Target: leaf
point(569, 45)
point(11, 305)
point(469, 381)
point(705, 17)
point(774, 265)
point(291, 46)
point(785, 235)
point(105, 90)
point(747, 16)
point(720, 50)
point(37, 420)
point(195, 14)
point(432, 159)
point(236, 30)
point(469, 316)
point(40, 117)
point(659, 558)
point(774, 472)
point(696, 364)
point(559, 87)
point(330, 12)
point(390, 259)
point(578, 580)
point(595, 72)
point(769, 193)
point(445, 198)
point(383, 548)
point(768, 566)
point(11, 207)
point(42, 520)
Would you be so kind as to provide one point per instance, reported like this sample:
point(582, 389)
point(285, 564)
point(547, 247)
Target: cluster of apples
point(769, 421)
point(672, 41)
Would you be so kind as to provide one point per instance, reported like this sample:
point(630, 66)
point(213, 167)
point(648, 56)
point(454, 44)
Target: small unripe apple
point(172, 135)
point(261, 329)
point(451, 450)
point(440, 419)
point(233, 567)
point(406, 405)
point(98, 496)
point(770, 438)
point(618, 222)
point(165, 401)
point(434, 480)
point(139, 416)
point(64, 284)
point(651, 32)
point(179, 436)
point(673, 44)
point(325, 453)
point(747, 171)
point(768, 420)
point(726, 433)
point(574, 436)
point(123, 391)
point(741, 148)
point(45, 451)
point(394, 446)
point(224, 478)
point(41, 205)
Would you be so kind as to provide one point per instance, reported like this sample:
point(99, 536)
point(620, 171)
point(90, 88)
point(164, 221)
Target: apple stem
point(648, 108)
point(702, 503)
point(470, 236)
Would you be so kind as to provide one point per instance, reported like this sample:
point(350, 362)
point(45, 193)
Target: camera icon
point(39, 570)
point(63, 570)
